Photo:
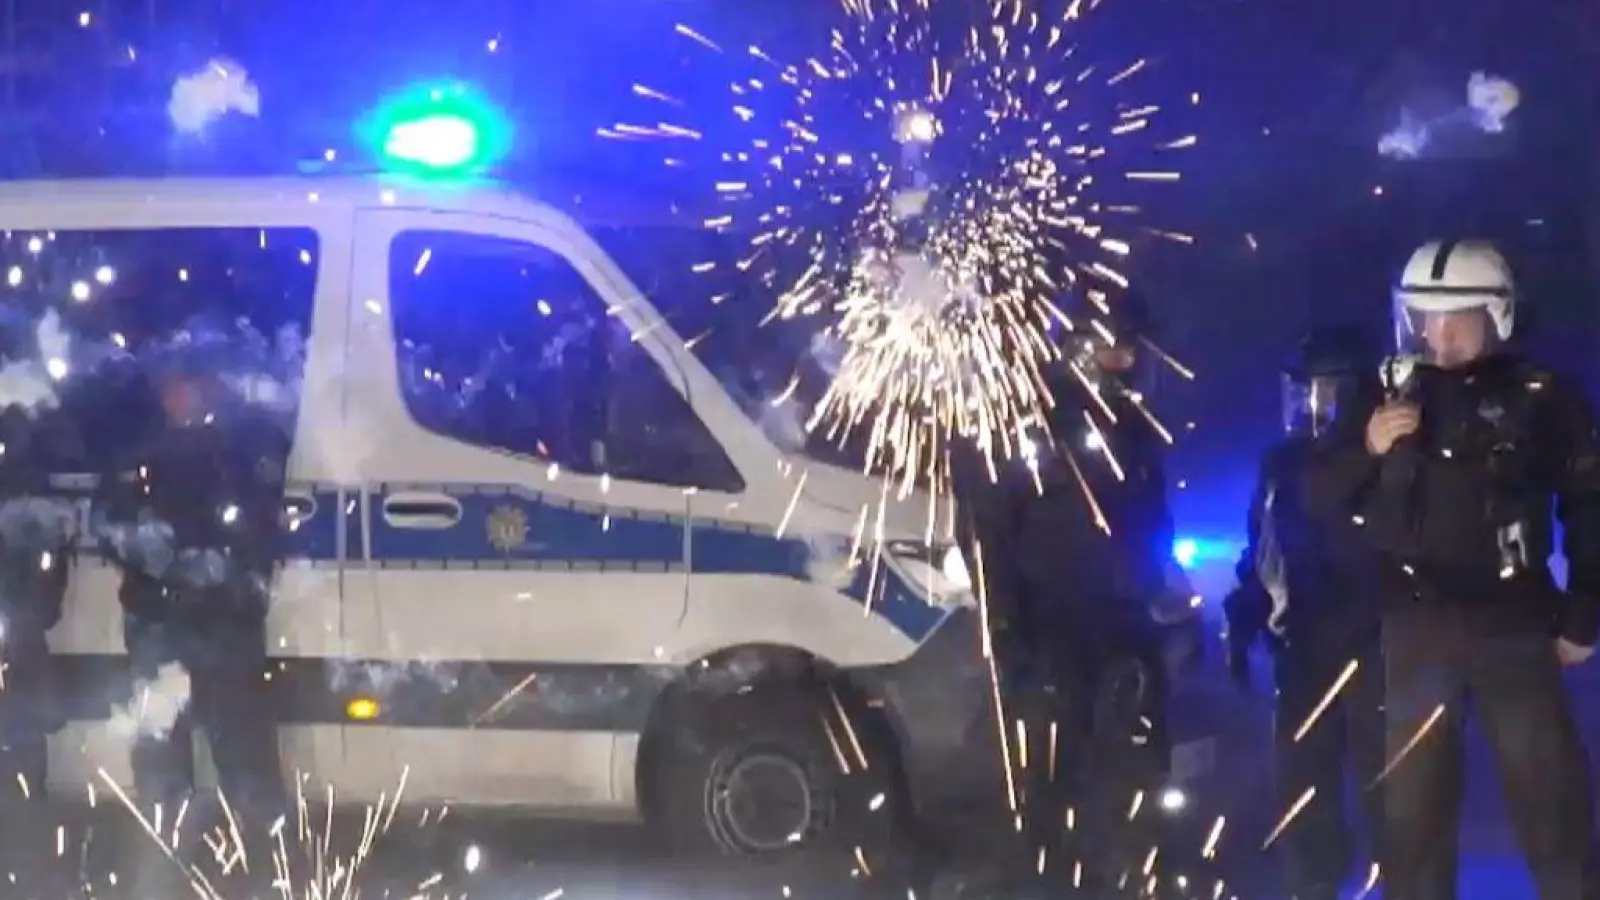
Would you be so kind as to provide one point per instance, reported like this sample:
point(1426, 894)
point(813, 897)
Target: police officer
point(191, 514)
point(36, 534)
point(1073, 544)
point(1466, 459)
point(1306, 586)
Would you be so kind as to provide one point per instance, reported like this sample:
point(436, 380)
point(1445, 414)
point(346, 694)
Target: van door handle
point(421, 511)
point(298, 508)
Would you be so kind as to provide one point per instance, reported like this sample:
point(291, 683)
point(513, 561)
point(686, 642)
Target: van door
point(774, 545)
point(523, 516)
point(266, 282)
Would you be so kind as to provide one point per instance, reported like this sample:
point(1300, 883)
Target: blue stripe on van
point(512, 528)
point(501, 528)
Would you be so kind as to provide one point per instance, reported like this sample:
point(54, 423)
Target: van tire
point(754, 775)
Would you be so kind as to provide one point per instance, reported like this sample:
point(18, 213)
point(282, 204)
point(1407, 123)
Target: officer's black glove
point(1239, 665)
point(1243, 631)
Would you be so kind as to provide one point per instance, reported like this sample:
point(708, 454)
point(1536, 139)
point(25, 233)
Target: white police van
point(519, 573)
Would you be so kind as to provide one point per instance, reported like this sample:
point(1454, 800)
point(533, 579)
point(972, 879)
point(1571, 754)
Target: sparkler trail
point(923, 191)
point(305, 864)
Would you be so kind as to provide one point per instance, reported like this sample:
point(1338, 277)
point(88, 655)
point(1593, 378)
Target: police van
point(524, 569)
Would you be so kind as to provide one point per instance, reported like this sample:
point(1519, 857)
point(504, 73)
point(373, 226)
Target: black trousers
point(1440, 659)
point(1095, 739)
point(225, 660)
point(1337, 751)
point(27, 718)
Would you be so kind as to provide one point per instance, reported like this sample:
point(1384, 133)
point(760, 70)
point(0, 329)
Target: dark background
point(1298, 219)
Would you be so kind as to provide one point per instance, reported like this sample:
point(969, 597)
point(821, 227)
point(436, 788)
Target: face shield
point(1450, 332)
point(1312, 406)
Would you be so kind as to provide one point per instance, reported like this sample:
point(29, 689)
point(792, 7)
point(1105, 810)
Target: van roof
point(590, 205)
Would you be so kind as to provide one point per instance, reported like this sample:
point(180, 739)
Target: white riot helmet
point(1453, 277)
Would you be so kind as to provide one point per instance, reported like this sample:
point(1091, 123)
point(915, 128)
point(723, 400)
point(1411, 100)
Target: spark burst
point(305, 863)
point(927, 188)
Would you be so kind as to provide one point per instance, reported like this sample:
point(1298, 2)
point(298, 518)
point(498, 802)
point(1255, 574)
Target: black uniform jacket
point(1305, 576)
point(192, 514)
point(1075, 540)
point(1462, 510)
point(38, 523)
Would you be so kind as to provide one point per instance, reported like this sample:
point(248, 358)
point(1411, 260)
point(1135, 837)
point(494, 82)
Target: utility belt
point(1317, 646)
point(1529, 597)
point(1500, 553)
point(1330, 605)
point(186, 569)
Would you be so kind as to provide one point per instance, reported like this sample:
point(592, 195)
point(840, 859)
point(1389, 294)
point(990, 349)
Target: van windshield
point(754, 363)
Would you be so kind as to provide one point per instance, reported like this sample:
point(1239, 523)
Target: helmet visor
point(1311, 405)
point(1445, 337)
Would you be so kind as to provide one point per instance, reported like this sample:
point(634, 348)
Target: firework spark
point(305, 864)
point(925, 189)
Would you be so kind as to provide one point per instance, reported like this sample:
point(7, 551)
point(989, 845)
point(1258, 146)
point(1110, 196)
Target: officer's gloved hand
point(1239, 663)
point(1241, 636)
point(1178, 617)
point(1571, 653)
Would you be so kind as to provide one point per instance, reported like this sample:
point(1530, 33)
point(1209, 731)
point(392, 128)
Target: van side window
point(503, 344)
point(232, 305)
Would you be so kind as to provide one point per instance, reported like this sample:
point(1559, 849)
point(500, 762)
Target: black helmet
point(1328, 380)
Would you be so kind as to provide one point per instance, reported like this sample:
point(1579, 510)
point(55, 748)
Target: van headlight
point(940, 572)
point(954, 569)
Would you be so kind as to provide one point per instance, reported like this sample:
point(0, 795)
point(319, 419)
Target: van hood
point(838, 495)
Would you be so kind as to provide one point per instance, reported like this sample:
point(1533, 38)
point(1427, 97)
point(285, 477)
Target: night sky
point(1298, 219)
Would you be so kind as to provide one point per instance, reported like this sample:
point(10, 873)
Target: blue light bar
point(1190, 552)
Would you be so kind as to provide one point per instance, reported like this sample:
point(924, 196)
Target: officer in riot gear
point(1072, 544)
point(1455, 484)
point(191, 514)
point(37, 528)
point(1306, 586)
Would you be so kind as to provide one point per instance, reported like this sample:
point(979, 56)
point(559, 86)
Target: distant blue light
point(1184, 550)
point(441, 141)
point(1192, 553)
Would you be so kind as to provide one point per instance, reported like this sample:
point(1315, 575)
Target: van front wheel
point(762, 773)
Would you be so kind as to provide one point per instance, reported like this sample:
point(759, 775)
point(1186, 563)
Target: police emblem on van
point(508, 528)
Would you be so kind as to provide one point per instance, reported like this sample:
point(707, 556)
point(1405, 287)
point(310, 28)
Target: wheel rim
point(765, 801)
